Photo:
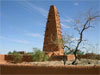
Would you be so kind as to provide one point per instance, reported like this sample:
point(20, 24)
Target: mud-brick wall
point(2, 58)
point(89, 56)
point(70, 57)
point(48, 70)
point(27, 58)
point(6, 58)
point(59, 58)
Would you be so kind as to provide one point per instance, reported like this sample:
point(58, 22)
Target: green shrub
point(45, 58)
point(17, 57)
point(9, 52)
point(12, 52)
point(38, 55)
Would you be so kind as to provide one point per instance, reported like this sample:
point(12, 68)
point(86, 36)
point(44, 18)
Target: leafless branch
point(85, 26)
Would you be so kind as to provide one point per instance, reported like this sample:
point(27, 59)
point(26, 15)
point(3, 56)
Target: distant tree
point(12, 52)
point(9, 52)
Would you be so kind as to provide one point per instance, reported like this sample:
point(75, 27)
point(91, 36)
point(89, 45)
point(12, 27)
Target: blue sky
point(22, 22)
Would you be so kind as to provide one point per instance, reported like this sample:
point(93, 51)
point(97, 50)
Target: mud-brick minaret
point(52, 40)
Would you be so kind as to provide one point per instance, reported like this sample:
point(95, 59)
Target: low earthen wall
point(48, 70)
point(2, 58)
point(28, 58)
point(70, 57)
point(89, 56)
point(61, 57)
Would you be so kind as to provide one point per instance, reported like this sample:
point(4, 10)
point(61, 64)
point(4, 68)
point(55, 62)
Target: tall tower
point(52, 40)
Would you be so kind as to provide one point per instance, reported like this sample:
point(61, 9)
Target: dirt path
point(83, 62)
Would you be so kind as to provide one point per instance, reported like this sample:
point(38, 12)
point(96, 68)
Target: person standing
point(64, 59)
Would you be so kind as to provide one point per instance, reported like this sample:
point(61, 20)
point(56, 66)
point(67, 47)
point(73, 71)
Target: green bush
point(79, 52)
point(12, 52)
point(38, 55)
point(17, 57)
point(9, 52)
point(45, 58)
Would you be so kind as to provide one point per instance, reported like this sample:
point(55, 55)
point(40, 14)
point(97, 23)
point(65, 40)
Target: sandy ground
point(83, 62)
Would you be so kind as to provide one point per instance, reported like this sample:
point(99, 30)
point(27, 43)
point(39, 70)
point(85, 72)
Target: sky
point(23, 22)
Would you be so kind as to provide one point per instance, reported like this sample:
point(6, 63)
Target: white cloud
point(34, 35)
point(67, 19)
point(15, 40)
point(76, 3)
point(41, 10)
point(30, 6)
point(65, 26)
point(21, 41)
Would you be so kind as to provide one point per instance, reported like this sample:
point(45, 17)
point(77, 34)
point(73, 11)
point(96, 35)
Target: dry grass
point(85, 62)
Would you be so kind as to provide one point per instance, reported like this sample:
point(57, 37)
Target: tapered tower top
point(52, 41)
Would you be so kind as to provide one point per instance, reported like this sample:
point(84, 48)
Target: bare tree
point(68, 42)
point(81, 26)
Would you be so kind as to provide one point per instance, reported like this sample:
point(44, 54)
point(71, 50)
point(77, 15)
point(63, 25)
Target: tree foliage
point(17, 57)
point(38, 55)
